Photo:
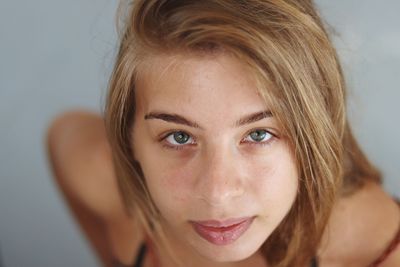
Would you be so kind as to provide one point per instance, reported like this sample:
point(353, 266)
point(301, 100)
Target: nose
point(222, 179)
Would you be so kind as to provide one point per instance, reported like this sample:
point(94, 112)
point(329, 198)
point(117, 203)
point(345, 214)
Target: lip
point(222, 232)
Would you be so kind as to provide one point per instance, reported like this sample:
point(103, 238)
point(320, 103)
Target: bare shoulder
point(360, 229)
point(81, 159)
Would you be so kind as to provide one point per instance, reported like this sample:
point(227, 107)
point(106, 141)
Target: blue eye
point(259, 136)
point(178, 138)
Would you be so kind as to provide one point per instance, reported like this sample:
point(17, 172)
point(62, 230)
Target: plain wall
point(56, 55)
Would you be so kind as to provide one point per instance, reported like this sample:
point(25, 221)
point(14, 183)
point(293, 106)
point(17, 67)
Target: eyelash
point(180, 147)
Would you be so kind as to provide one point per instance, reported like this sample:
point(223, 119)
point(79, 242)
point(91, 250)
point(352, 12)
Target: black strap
point(140, 256)
point(314, 262)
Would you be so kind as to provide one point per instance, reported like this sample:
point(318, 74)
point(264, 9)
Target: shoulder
point(360, 228)
point(81, 160)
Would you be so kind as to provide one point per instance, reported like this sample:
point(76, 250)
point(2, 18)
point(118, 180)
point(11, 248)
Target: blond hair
point(285, 46)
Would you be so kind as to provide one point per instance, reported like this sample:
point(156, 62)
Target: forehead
point(196, 81)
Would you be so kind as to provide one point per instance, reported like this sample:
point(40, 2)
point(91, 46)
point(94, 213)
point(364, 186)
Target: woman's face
point(216, 165)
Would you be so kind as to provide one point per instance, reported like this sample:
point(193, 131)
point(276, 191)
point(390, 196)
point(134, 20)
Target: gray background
point(56, 55)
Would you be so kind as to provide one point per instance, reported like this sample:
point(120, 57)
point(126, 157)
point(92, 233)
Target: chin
point(233, 253)
point(240, 250)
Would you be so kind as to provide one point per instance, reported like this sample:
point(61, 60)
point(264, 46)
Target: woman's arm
point(81, 162)
point(361, 228)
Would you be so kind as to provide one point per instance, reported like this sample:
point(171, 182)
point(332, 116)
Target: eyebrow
point(178, 119)
point(253, 118)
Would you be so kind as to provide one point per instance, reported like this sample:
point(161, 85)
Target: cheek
point(168, 185)
point(275, 179)
point(178, 183)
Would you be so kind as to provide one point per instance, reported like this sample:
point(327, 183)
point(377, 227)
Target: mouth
point(222, 232)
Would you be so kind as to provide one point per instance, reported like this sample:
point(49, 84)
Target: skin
point(360, 228)
point(218, 171)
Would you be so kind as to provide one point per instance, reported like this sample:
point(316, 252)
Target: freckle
point(172, 183)
point(180, 198)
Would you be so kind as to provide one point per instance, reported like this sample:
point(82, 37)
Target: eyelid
point(271, 139)
point(182, 146)
point(166, 144)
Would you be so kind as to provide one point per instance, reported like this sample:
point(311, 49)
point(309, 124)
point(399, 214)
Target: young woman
point(224, 142)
